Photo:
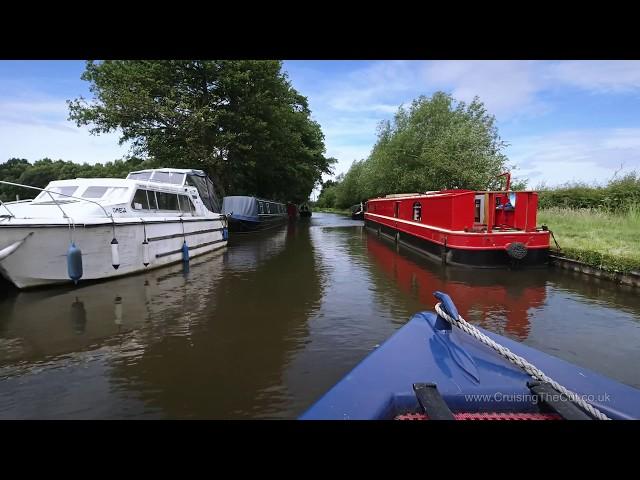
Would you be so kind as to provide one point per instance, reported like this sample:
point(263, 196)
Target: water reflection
point(584, 320)
point(59, 321)
point(499, 300)
point(263, 328)
point(78, 317)
point(231, 365)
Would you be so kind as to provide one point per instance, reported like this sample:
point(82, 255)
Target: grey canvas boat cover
point(242, 208)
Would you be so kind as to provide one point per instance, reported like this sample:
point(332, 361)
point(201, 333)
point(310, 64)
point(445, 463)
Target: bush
point(617, 196)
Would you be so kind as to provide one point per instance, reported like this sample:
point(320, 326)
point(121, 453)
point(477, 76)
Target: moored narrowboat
point(250, 214)
point(464, 227)
point(357, 211)
point(305, 211)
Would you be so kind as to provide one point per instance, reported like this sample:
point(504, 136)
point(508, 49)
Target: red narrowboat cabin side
point(465, 227)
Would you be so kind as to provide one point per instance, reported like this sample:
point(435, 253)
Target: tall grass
point(601, 237)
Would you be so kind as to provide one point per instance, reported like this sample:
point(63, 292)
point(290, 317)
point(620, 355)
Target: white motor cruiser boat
point(96, 228)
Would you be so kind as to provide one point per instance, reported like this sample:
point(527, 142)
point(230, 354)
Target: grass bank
point(339, 211)
point(610, 241)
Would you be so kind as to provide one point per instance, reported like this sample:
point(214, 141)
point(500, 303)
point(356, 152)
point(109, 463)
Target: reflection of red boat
point(464, 227)
point(481, 300)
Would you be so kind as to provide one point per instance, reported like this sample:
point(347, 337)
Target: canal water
point(263, 328)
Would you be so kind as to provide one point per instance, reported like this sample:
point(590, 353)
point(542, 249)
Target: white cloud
point(507, 88)
point(373, 88)
point(579, 155)
point(57, 141)
point(598, 76)
point(37, 127)
point(335, 126)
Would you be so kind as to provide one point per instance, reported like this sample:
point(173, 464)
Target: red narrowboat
point(465, 227)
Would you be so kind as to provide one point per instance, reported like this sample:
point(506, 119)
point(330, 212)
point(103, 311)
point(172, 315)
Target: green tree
point(327, 197)
point(436, 143)
point(10, 171)
point(348, 193)
point(240, 121)
point(43, 171)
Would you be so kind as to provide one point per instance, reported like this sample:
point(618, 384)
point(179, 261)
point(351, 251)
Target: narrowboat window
point(498, 201)
point(167, 201)
point(94, 192)
point(476, 217)
point(417, 212)
point(261, 207)
point(268, 207)
point(140, 201)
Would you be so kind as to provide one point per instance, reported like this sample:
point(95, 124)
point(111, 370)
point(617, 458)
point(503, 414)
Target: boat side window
point(261, 207)
point(268, 209)
point(55, 193)
point(141, 200)
point(167, 201)
point(153, 203)
point(185, 204)
point(417, 212)
point(94, 192)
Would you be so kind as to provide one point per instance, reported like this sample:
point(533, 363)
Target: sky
point(564, 121)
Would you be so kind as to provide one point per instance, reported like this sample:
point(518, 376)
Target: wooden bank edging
point(631, 278)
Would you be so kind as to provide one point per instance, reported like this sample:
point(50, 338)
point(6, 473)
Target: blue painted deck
point(469, 375)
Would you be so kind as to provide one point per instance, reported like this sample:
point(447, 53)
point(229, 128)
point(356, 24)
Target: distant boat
point(305, 211)
point(250, 214)
point(357, 212)
point(96, 228)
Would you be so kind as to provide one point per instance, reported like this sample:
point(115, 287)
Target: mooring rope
point(532, 370)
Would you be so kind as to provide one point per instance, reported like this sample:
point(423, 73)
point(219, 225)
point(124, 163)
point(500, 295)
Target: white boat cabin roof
point(174, 176)
point(116, 189)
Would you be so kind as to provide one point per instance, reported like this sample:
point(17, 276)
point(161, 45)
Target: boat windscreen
point(207, 192)
point(58, 193)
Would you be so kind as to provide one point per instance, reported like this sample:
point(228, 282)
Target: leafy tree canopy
point(436, 143)
point(40, 173)
point(240, 121)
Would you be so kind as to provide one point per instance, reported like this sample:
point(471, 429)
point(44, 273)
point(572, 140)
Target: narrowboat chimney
point(508, 175)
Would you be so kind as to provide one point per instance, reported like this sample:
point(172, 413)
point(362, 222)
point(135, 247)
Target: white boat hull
point(41, 257)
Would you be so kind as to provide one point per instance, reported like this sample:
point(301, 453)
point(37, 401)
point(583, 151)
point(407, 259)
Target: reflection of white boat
point(37, 325)
point(105, 227)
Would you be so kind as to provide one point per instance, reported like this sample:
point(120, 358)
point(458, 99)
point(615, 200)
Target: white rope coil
point(532, 370)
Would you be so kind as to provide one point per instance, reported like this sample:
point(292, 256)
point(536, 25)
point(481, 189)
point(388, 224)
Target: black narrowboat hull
point(245, 226)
